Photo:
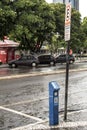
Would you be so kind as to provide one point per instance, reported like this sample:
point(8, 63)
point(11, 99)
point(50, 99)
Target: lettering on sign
point(68, 14)
point(67, 22)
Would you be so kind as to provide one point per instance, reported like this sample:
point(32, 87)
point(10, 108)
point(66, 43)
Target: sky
point(82, 7)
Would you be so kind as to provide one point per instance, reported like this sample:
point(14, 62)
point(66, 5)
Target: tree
point(77, 35)
point(84, 29)
point(59, 14)
point(34, 22)
point(7, 18)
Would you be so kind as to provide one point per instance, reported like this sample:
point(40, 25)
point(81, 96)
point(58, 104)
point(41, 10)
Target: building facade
point(74, 3)
point(7, 50)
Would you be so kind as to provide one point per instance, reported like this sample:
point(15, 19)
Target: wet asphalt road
point(6, 71)
point(24, 101)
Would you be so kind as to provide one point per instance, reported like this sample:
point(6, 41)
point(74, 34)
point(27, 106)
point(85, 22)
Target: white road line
point(37, 126)
point(25, 102)
point(31, 125)
point(61, 125)
point(74, 112)
point(20, 113)
point(73, 124)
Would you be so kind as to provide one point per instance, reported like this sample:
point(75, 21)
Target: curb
point(40, 74)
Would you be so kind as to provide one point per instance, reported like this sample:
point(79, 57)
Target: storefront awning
point(8, 43)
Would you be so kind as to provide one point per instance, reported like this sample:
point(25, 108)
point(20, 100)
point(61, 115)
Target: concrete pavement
point(75, 121)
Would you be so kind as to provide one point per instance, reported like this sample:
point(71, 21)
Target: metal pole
point(66, 82)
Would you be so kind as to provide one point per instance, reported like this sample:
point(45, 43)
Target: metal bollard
point(53, 103)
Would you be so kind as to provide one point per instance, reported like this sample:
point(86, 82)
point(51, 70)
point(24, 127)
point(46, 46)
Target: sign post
point(67, 38)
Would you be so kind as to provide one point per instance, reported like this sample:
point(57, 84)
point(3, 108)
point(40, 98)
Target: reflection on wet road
point(21, 70)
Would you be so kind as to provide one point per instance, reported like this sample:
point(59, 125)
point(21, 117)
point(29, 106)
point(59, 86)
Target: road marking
point(25, 102)
point(75, 112)
point(40, 125)
point(35, 125)
point(61, 125)
point(31, 125)
point(20, 113)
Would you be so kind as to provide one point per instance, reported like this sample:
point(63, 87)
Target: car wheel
point(34, 64)
point(71, 62)
point(13, 65)
point(52, 63)
point(0, 62)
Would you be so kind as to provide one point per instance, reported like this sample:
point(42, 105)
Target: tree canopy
point(33, 22)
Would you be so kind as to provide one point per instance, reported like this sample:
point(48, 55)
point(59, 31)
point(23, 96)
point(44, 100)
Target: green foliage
point(33, 22)
point(84, 29)
point(7, 17)
point(59, 13)
point(77, 35)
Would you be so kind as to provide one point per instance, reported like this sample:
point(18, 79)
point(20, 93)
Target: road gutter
point(40, 74)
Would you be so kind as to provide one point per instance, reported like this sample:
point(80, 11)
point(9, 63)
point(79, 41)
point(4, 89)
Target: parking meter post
point(53, 103)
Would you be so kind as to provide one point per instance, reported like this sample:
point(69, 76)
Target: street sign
point(67, 33)
point(68, 14)
point(67, 22)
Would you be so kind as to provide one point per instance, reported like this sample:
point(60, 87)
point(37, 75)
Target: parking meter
point(53, 103)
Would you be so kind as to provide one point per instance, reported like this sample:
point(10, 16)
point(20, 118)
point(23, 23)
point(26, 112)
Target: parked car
point(0, 62)
point(62, 59)
point(27, 60)
point(46, 59)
